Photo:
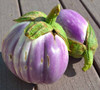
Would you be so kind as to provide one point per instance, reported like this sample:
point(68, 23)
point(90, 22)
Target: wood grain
point(38, 5)
point(74, 78)
point(93, 7)
point(9, 10)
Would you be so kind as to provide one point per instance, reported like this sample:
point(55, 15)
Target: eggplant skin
point(74, 24)
point(43, 60)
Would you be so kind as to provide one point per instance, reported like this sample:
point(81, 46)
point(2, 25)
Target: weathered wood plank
point(77, 6)
point(38, 5)
point(74, 78)
point(9, 11)
point(94, 8)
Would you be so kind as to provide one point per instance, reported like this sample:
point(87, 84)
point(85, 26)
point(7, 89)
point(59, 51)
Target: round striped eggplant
point(81, 36)
point(35, 50)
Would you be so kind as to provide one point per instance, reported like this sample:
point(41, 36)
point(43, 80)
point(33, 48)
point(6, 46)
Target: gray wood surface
point(9, 10)
point(39, 5)
point(77, 6)
point(74, 78)
point(94, 7)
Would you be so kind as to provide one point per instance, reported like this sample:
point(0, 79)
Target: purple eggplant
point(74, 24)
point(81, 36)
point(34, 51)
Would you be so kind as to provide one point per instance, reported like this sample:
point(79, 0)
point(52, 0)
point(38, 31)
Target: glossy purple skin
point(43, 60)
point(73, 23)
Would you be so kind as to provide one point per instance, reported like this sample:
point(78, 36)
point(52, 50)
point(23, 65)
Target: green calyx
point(41, 24)
point(32, 16)
point(91, 44)
point(76, 49)
point(35, 30)
point(87, 50)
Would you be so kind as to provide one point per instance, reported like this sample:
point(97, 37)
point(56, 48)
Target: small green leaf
point(91, 44)
point(88, 57)
point(28, 26)
point(38, 29)
point(91, 40)
point(76, 48)
point(31, 16)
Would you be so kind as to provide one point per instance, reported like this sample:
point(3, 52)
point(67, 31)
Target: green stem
point(88, 57)
point(51, 18)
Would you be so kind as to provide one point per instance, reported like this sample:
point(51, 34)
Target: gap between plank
point(20, 8)
point(96, 68)
point(62, 4)
point(35, 87)
point(90, 13)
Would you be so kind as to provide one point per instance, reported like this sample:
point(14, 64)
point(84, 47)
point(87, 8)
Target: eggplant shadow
point(70, 71)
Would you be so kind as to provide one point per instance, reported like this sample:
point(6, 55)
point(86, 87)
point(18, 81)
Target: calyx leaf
point(31, 16)
point(91, 40)
point(34, 30)
point(76, 48)
point(91, 44)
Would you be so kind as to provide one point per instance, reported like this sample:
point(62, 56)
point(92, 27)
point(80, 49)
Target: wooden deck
point(74, 78)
